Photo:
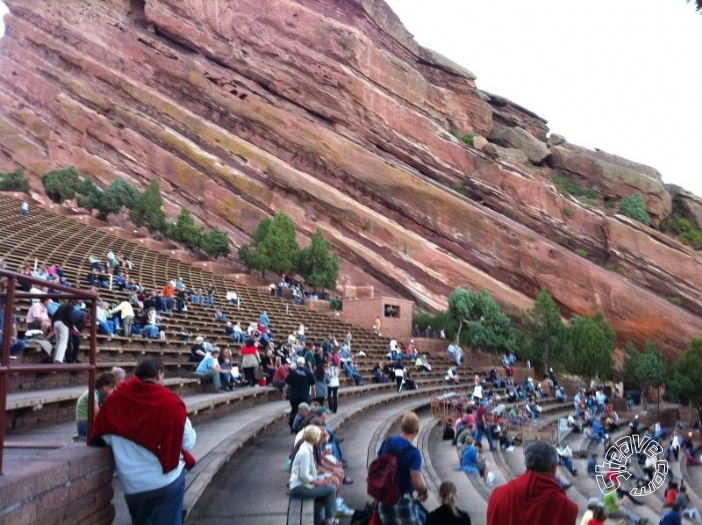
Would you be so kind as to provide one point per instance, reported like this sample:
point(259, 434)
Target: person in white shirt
point(147, 427)
point(126, 313)
point(304, 482)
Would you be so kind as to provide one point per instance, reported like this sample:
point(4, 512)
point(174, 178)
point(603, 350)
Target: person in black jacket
point(448, 513)
point(62, 322)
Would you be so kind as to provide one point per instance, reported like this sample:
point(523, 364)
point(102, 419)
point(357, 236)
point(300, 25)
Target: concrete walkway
point(253, 489)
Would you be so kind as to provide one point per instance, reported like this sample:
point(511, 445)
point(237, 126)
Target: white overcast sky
point(623, 76)
point(620, 75)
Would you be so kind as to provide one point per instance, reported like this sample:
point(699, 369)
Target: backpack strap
point(397, 454)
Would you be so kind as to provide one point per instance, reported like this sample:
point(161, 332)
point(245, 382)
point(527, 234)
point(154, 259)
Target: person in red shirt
point(250, 360)
point(536, 497)
point(599, 516)
point(168, 292)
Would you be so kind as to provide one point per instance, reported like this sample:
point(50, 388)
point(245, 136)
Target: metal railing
point(9, 294)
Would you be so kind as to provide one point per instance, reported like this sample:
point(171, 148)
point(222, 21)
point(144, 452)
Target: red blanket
point(148, 414)
point(531, 499)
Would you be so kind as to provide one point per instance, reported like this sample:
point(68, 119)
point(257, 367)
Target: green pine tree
point(317, 266)
point(216, 243)
point(589, 349)
point(149, 210)
point(185, 230)
point(547, 332)
point(14, 181)
point(61, 184)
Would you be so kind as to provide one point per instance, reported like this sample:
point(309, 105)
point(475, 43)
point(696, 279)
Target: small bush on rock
point(633, 206)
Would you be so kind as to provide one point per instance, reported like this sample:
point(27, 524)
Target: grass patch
point(467, 139)
point(683, 230)
point(568, 211)
point(568, 187)
point(581, 252)
point(675, 300)
point(612, 267)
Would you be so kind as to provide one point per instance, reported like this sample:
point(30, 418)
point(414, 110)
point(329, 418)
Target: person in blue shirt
point(673, 516)
point(263, 319)
point(209, 366)
point(409, 463)
point(17, 346)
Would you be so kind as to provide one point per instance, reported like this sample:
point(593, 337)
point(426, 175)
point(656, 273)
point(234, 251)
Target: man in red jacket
point(535, 497)
point(148, 428)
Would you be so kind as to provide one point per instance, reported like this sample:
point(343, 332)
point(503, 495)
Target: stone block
point(35, 479)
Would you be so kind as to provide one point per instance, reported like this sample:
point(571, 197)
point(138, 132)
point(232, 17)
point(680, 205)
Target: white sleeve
point(189, 435)
point(305, 467)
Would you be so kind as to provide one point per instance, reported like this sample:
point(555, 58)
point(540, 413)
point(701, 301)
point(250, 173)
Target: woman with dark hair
point(448, 513)
point(250, 360)
point(321, 382)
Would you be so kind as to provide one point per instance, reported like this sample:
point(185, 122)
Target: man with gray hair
point(535, 497)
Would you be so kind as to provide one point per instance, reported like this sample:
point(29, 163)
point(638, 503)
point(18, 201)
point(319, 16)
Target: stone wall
point(72, 485)
point(363, 312)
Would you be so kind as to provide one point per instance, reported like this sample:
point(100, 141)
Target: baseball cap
point(594, 502)
point(303, 406)
point(323, 410)
point(300, 360)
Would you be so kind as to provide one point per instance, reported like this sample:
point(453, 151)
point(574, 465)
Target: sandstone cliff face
point(328, 110)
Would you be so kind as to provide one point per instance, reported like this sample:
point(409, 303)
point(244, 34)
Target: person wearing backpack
point(405, 510)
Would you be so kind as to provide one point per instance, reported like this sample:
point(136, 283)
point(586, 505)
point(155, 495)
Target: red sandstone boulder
point(522, 140)
point(613, 176)
point(689, 204)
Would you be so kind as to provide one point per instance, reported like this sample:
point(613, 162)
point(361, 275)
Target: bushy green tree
point(485, 325)
point(185, 230)
point(633, 206)
point(645, 370)
point(274, 246)
point(216, 243)
point(113, 199)
point(545, 330)
point(589, 350)
point(14, 181)
point(686, 376)
point(148, 209)
point(61, 184)
point(317, 266)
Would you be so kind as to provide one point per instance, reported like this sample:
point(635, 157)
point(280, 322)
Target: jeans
point(479, 435)
point(210, 301)
point(351, 371)
point(216, 379)
point(159, 506)
point(62, 335)
point(105, 327)
point(333, 392)
point(325, 492)
point(17, 348)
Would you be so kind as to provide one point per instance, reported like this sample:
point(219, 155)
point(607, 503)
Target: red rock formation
point(328, 110)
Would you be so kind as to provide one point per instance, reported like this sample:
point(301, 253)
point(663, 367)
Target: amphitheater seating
point(47, 237)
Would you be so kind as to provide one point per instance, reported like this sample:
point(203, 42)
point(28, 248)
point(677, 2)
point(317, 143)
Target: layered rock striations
point(329, 110)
